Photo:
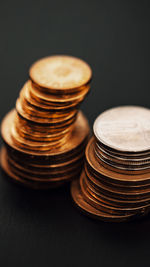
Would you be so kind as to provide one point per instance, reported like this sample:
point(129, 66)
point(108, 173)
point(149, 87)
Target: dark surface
point(43, 228)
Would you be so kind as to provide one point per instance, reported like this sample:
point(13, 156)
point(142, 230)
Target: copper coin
point(49, 169)
point(119, 193)
point(31, 183)
point(38, 129)
point(47, 177)
point(57, 122)
point(25, 93)
point(37, 111)
point(114, 201)
point(79, 134)
point(110, 183)
point(47, 163)
point(41, 176)
point(60, 72)
point(108, 207)
point(27, 133)
point(39, 138)
point(45, 137)
point(63, 93)
point(32, 145)
point(92, 211)
point(55, 98)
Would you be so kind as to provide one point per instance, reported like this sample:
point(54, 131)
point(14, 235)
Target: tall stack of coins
point(45, 136)
point(115, 183)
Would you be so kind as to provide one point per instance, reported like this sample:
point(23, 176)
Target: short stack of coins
point(45, 136)
point(115, 183)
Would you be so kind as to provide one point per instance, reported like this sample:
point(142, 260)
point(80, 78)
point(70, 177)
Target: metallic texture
point(45, 136)
point(115, 183)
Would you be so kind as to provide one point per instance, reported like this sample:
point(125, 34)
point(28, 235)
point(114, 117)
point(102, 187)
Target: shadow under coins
point(49, 203)
point(56, 205)
point(128, 234)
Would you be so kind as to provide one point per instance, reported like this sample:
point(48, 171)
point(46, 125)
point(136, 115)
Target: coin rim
point(70, 88)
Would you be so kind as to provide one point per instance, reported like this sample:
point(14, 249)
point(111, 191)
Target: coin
point(109, 174)
point(107, 206)
point(115, 183)
point(79, 134)
point(60, 73)
point(114, 201)
point(57, 122)
point(25, 93)
point(124, 128)
point(51, 169)
point(35, 184)
point(45, 136)
point(36, 93)
point(90, 210)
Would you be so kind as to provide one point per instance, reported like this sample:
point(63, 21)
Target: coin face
point(60, 72)
point(125, 128)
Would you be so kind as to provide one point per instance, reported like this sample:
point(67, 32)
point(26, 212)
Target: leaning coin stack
point(45, 136)
point(115, 183)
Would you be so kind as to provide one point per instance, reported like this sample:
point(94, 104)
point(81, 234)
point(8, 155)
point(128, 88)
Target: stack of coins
point(45, 136)
point(115, 183)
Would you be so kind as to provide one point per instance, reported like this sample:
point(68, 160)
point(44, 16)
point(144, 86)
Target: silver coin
point(125, 128)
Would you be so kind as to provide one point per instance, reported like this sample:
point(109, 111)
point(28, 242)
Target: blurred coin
point(60, 73)
point(79, 134)
point(90, 210)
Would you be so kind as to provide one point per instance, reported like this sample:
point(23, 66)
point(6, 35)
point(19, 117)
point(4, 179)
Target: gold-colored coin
point(30, 182)
point(60, 73)
point(26, 94)
point(79, 134)
point(45, 137)
point(91, 211)
point(56, 98)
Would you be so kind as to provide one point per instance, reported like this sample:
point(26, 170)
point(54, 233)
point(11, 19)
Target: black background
point(44, 228)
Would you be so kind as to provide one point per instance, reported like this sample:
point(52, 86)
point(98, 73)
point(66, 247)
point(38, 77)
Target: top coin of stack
point(45, 136)
point(115, 184)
